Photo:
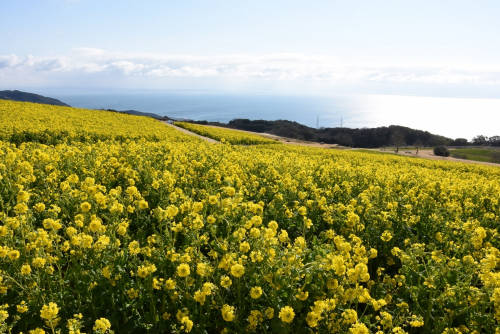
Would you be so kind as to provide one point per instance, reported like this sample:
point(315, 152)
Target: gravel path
point(425, 154)
point(286, 141)
point(210, 140)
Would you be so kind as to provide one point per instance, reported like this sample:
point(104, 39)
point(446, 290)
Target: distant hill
point(365, 137)
point(15, 95)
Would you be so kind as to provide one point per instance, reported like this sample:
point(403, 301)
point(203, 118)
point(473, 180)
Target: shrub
point(441, 151)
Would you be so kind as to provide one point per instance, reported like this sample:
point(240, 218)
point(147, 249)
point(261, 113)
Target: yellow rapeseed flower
point(183, 270)
point(14, 255)
point(286, 314)
point(225, 282)
point(25, 269)
point(49, 312)
point(386, 236)
point(102, 325)
point(85, 206)
point(256, 292)
point(228, 312)
point(237, 270)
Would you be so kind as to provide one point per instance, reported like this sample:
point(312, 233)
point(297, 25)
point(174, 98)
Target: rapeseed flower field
point(232, 136)
point(175, 235)
point(47, 124)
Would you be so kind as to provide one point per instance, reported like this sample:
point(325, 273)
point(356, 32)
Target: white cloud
point(276, 68)
point(8, 61)
point(32, 63)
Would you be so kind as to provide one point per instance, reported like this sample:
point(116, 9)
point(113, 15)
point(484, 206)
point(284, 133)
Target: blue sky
point(433, 48)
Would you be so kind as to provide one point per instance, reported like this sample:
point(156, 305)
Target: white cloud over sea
point(299, 69)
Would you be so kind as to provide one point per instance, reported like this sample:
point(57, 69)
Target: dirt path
point(424, 154)
point(429, 154)
point(210, 140)
point(286, 141)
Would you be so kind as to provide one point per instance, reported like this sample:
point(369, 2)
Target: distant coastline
point(366, 118)
point(15, 95)
point(367, 138)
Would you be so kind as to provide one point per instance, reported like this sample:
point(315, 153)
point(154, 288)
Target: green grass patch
point(477, 154)
point(373, 151)
point(475, 151)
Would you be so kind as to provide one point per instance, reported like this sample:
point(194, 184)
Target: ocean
point(450, 117)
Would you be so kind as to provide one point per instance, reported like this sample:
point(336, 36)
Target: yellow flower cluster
point(102, 326)
point(234, 137)
point(177, 235)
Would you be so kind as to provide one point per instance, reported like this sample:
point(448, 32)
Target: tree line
point(479, 140)
point(393, 135)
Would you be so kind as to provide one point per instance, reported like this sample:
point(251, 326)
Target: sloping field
point(177, 235)
point(24, 121)
point(223, 135)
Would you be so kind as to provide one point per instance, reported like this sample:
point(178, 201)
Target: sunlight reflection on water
point(451, 117)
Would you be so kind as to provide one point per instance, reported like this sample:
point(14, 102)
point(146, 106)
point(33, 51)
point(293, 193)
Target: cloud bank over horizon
point(82, 67)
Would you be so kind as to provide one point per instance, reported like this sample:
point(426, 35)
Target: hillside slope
point(15, 95)
point(48, 124)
